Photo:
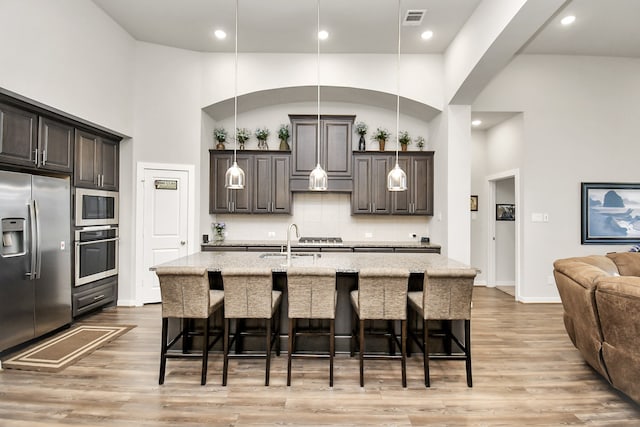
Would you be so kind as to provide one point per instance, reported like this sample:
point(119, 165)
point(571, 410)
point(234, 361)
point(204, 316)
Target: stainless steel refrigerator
point(35, 257)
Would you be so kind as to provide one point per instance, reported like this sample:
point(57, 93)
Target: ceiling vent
point(414, 17)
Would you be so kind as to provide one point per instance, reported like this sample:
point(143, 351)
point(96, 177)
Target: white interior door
point(165, 223)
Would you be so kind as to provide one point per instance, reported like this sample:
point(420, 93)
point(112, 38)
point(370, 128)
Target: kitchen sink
point(282, 255)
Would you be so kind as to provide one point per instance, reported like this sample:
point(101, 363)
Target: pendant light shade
point(234, 179)
point(318, 179)
point(397, 178)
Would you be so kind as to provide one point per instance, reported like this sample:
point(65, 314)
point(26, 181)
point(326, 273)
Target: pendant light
point(397, 178)
point(318, 179)
point(234, 179)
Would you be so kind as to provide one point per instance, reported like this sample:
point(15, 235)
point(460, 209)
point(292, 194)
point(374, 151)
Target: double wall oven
point(96, 235)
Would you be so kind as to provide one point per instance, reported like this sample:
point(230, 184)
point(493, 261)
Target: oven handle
point(97, 241)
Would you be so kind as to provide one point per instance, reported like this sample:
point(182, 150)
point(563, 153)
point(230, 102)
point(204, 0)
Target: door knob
point(182, 242)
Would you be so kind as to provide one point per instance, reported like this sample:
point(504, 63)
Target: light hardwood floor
point(526, 372)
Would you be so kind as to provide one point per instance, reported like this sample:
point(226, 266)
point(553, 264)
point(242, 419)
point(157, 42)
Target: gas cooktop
point(320, 241)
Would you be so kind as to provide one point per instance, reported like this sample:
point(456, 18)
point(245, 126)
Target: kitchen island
point(346, 264)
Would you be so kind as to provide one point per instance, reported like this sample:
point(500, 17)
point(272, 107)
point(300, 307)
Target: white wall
point(479, 218)
point(580, 125)
point(69, 55)
point(421, 75)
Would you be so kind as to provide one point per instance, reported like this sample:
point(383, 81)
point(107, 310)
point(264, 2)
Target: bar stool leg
point(292, 335)
point(425, 332)
point(332, 348)
point(467, 350)
point(163, 349)
point(403, 337)
point(205, 351)
point(268, 361)
point(361, 339)
point(225, 350)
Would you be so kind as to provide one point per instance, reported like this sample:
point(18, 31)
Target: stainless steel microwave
point(96, 207)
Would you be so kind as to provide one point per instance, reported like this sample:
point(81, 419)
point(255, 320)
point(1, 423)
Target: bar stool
point(249, 294)
point(381, 295)
point(185, 295)
point(445, 297)
point(311, 295)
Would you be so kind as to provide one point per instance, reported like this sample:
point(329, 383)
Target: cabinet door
point(336, 145)
point(108, 165)
point(380, 199)
point(281, 199)
point(304, 150)
point(86, 152)
point(241, 199)
point(402, 200)
point(218, 195)
point(56, 145)
point(222, 200)
point(361, 195)
point(262, 184)
point(18, 135)
point(422, 180)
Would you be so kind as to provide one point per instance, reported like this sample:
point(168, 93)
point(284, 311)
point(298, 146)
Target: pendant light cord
point(235, 91)
point(398, 82)
point(318, 73)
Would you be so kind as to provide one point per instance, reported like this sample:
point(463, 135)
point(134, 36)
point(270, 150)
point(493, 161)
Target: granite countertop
point(346, 244)
point(343, 262)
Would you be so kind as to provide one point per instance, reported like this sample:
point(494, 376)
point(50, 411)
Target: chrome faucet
point(289, 238)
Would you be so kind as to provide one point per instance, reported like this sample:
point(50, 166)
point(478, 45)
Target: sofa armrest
point(618, 303)
point(580, 272)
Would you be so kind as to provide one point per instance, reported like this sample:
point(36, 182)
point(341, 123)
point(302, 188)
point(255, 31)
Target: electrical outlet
point(368, 235)
point(551, 281)
point(271, 234)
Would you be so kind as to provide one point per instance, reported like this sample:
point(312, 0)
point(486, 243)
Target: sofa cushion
point(628, 263)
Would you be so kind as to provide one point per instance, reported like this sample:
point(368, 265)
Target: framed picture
point(610, 213)
point(505, 212)
point(474, 203)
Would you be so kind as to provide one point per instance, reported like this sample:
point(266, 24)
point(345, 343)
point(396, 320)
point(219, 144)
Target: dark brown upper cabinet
point(370, 195)
point(335, 150)
point(35, 142)
point(96, 162)
point(266, 183)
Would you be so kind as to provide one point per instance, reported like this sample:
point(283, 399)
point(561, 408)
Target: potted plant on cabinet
point(361, 129)
point(220, 135)
point(262, 134)
point(283, 134)
point(420, 143)
point(404, 139)
point(242, 134)
point(381, 135)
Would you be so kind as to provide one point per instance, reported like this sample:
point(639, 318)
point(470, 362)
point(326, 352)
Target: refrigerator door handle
point(32, 241)
point(38, 243)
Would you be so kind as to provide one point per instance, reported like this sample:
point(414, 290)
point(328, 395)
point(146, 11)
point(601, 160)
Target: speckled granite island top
point(347, 262)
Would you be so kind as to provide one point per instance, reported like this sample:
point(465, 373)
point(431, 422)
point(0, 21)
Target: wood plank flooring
point(526, 372)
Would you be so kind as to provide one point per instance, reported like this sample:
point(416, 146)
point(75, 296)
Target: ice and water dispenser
point(13, 237)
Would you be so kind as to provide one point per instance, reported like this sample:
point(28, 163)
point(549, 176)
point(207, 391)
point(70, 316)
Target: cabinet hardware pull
point(44, 157)
point(35, 157)
point(98, 297)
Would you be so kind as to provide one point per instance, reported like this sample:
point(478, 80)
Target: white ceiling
point(603, 27)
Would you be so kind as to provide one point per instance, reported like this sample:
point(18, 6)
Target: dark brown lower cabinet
point(94, 295)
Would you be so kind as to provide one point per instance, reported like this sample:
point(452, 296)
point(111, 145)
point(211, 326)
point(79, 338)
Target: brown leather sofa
point(601, 300)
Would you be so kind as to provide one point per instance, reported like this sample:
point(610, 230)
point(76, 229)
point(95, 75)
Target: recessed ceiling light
point(221, 35)
point(476, 122)
point(427, 35)
point(322, 35)
point(568, 20)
